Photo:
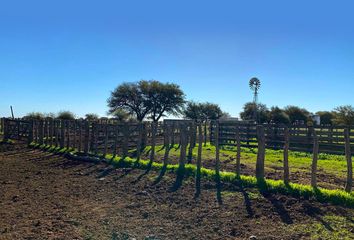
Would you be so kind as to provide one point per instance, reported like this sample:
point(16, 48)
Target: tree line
point(152, 100)
point(342, 115)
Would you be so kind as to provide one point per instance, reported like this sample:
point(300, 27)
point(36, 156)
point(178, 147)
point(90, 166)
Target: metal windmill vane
point(255, 85)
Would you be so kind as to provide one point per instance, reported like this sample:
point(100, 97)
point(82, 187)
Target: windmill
point(255, 85)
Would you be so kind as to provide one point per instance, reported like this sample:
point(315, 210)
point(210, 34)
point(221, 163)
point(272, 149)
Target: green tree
point(66, 115)
point(147, 98)
point(38, 116)
point(326, 117)
point(34, 116)
point(278, 116)
point(202, 112)
point(297, 114)
point(212, 111)
point(344, 115)
point(123, 116)
point(92, 116)
point(194, 111)
point(162, 98)
point(249, 110)
point(129, 97)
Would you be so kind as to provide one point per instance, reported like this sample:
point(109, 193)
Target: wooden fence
point(331, 139)
point(118, 138)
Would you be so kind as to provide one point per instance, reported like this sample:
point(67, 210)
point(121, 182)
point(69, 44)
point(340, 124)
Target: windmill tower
point(255, 85)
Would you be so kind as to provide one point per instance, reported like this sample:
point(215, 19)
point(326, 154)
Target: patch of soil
point(46, 196)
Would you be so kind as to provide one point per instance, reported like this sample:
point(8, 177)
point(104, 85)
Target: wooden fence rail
point(331, 139)
point(121, 139)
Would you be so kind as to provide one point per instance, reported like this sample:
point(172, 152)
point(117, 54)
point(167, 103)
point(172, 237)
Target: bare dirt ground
point(46, 196)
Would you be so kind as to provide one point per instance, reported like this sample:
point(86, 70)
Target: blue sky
point(69, 55)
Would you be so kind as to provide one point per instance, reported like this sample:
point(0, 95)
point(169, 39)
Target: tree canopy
point(297, 114)
point(249, 109)
point(66, 115)
point(143, 99)
point(278, 116)
point(203, 111)
point(327, 117)
point(92, 116)
point(344, 115)
point(162, 98)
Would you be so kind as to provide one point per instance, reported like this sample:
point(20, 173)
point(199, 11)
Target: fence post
point(56, 130)
point(35, 125)
point(167, 147)
point(314, 160)
point(6, 134)
point(153, 143)
point(51, 132)
point(2, 125)
point(126, 139)
point(62, 133)
point(18, 129)
point(80, 136)
point(40, 132)
point(30, 132)
point(348, 155)
point(199, 161)
point(105, 140)
point(238, 154)
point(172, 135)
point(206, 132)
point(217, 163)
point(116, 136)
point(261, 152)
point(68, 134)
point(191, 137)
point(286, 155)
point(74, 132)
point(86, 137)
point(141, 130)
point(182, 156)
point(93, 146)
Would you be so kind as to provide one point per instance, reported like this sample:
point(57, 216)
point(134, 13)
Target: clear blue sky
point(69, 55)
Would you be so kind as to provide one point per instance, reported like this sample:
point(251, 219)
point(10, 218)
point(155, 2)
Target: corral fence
point(331, 139)
point(118, 138)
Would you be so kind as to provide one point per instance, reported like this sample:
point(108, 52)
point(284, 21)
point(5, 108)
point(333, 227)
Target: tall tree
point(249, 110)
point(194, 111)
point(326, 117)
point(162, 98)
point(212, 111)
point(147, 98)
point(201, 112)
point(129, 97)
point(344, 115)
point(66, 115)
point(91, 116)
point(297, 114)
point(123, 115)
point(277, 115)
